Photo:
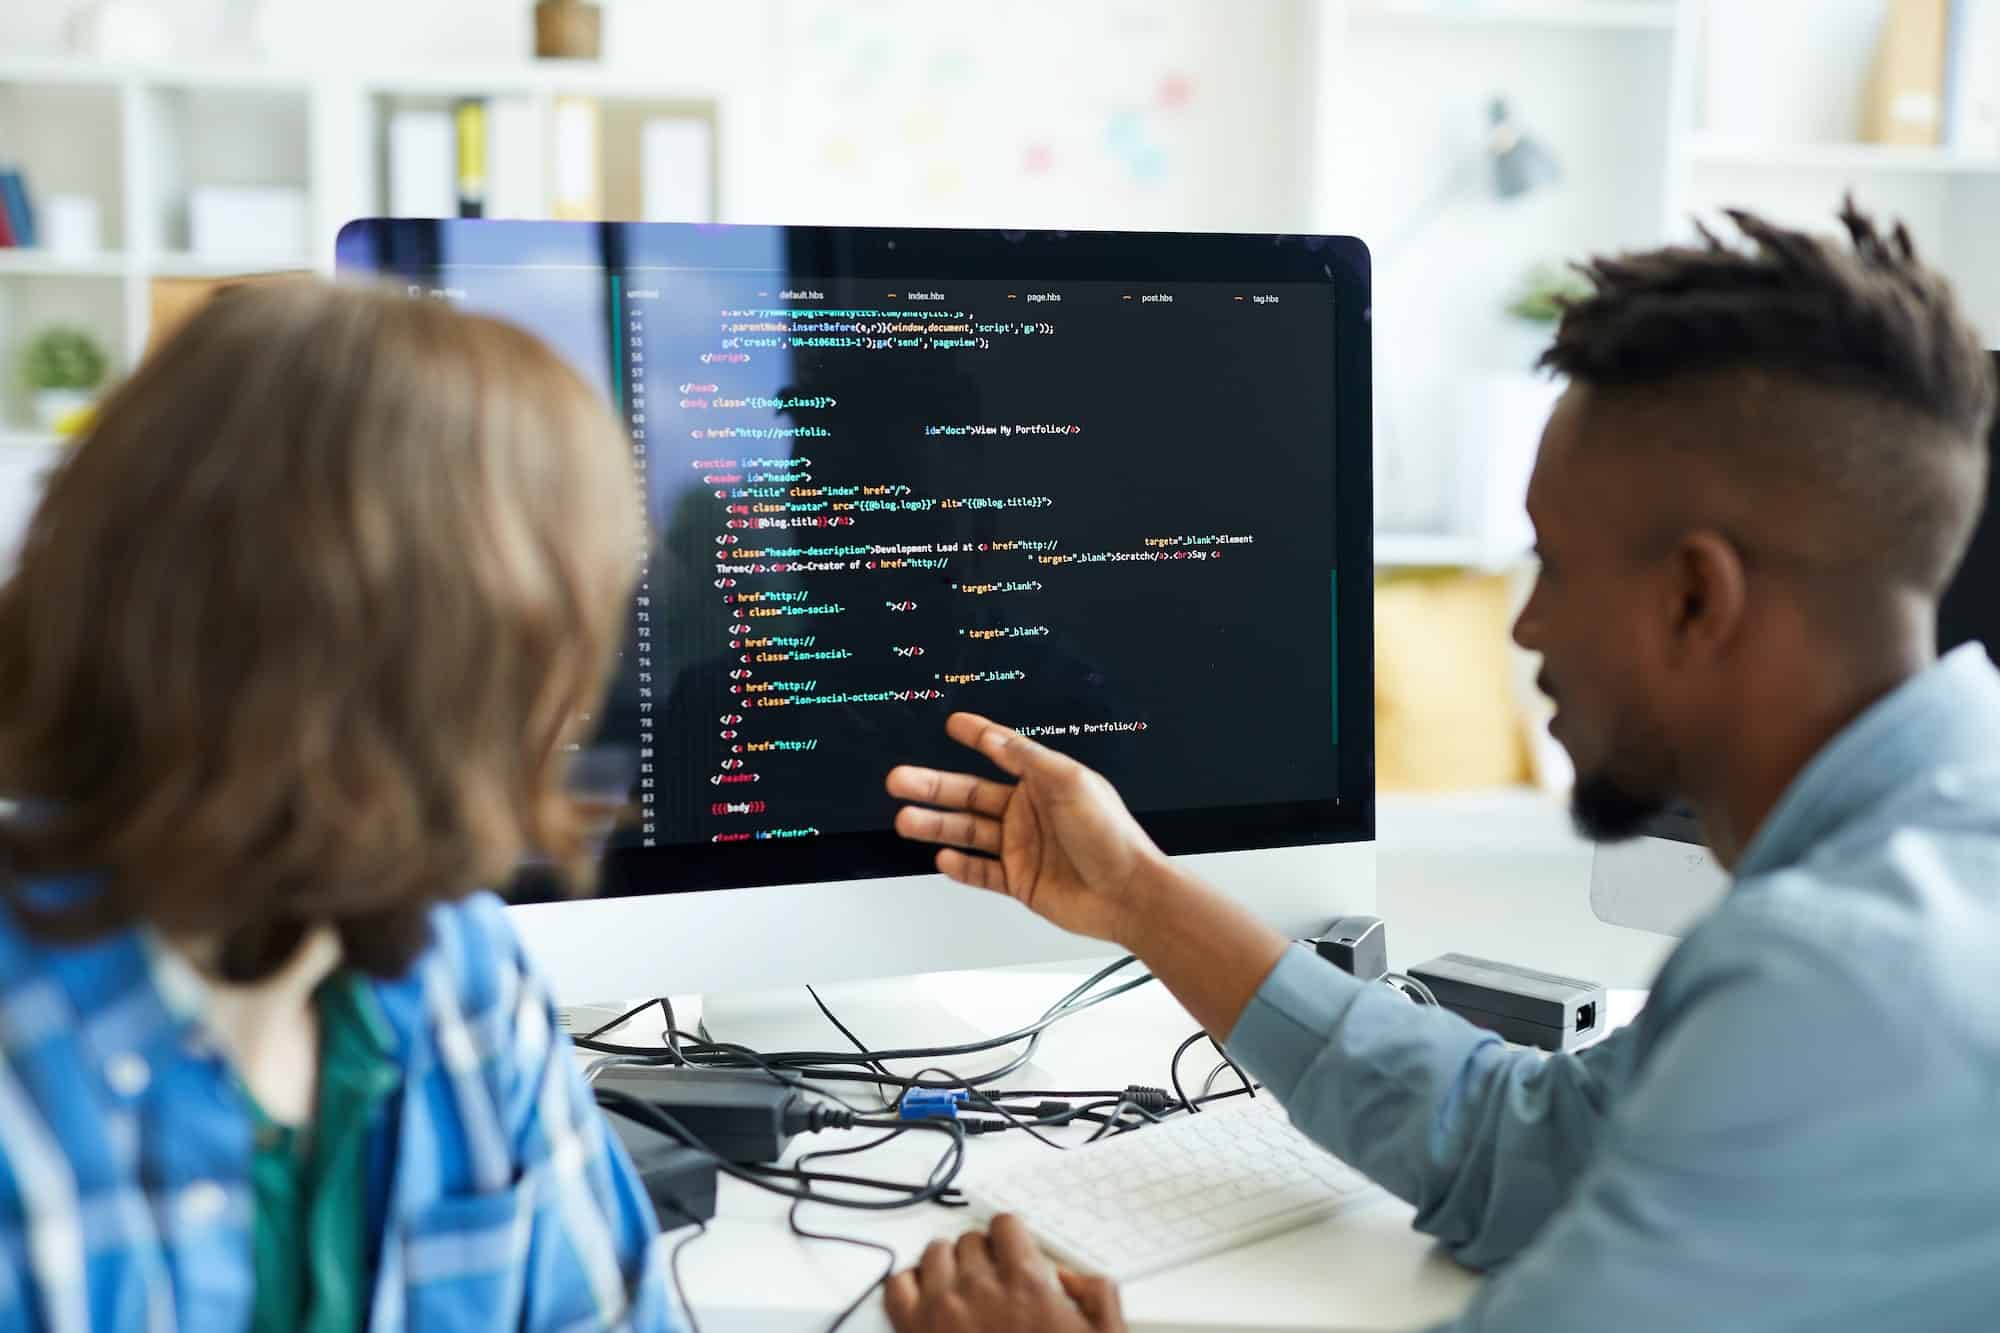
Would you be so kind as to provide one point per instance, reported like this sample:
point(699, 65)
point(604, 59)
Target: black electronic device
point(1970, 609)
point(679, 1180)
point(1532, 1008)
point(1357, 945)
point(740, 1117)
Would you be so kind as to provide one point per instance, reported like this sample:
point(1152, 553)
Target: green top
point(310, 1183)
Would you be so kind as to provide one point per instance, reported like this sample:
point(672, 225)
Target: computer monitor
point(1665, 881)
point(1111, 489)
point(1970, 610)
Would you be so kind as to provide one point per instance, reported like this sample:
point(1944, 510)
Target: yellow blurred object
point(1447, 715)
point(71, 424)
point(579, 180)
point(1905, 98)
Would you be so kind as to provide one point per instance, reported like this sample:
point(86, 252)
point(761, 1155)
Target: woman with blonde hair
point(289, 667)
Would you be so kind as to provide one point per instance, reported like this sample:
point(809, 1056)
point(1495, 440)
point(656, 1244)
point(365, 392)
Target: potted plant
point(1544, 292)
point(1537, 304)
point(63, 367)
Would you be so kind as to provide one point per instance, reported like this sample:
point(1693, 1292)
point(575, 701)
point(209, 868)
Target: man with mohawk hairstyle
point(1763, 473)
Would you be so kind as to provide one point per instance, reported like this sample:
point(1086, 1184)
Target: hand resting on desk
point(997, 1284)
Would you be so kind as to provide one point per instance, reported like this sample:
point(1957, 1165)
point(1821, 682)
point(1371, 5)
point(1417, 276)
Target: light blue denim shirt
point(1802, 1130)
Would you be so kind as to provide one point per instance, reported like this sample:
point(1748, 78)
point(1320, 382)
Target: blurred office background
point(1477, 145)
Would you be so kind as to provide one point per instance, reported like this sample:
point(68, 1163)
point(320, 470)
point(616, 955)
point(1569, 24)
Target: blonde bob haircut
point(302, 629)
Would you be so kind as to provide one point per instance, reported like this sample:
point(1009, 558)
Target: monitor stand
point(887, 1015)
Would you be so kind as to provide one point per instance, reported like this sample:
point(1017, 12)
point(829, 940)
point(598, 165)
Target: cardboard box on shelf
point(1905, 99)
point(173, 301)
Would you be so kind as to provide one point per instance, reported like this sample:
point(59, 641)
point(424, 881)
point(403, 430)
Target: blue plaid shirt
point(497, 1197)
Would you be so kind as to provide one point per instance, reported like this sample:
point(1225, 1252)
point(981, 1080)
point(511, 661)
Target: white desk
point(1365, 1270)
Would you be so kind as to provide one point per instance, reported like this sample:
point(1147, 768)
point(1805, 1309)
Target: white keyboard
point(1170, 1193)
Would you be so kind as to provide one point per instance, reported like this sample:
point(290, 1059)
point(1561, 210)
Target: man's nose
point(1526, 628)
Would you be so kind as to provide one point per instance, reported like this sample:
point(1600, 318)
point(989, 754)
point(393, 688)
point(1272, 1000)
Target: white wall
point(1175, 114)
point(1400, 126)
point(1072, 113)
point(1789, 71)
point(1500, 875)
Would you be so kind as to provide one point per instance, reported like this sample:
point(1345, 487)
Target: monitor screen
point(1970, 611)
point(1111, 490)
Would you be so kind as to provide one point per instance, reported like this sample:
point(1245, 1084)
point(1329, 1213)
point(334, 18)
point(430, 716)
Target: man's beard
point(1605, 810)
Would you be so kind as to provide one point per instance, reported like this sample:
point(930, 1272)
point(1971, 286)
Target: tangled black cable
point(862, 1066)
point(1112, 1111)
point(881, 1089)
point(1192, 1105)
point(934, 1189)
point(702, 1055)
point(792, 1221)
point(674, 1264)
point(651, 1116)
point(1133, 1098)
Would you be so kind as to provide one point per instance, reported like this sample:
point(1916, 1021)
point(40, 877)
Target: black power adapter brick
point(1522, 1005)
point(679, 1180)
point(740, 1117)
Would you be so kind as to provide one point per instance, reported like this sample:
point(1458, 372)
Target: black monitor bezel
point(1960, 607)
point(414, 247)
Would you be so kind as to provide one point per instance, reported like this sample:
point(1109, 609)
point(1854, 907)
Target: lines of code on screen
point(1101, 513)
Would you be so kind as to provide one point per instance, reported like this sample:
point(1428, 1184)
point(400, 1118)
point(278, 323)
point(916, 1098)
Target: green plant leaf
point(1545, 291)
point(63, 357)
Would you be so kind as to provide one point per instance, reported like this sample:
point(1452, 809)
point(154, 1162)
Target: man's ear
point(1709, 589)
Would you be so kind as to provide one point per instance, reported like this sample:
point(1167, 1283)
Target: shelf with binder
point(555, 148)
point(192, 170)
point(61, 153)
point(671, 142)
point(1785, 107)
point(222, 172)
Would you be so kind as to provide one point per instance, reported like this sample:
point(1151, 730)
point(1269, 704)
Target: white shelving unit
point(138, 140)
point(1698, 150)
point(1398, 131)
point(1643, 14)
point(1766, 116)
point(1425, 551)
point(35, 263)
point(25, 460)
point(1660, 111)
